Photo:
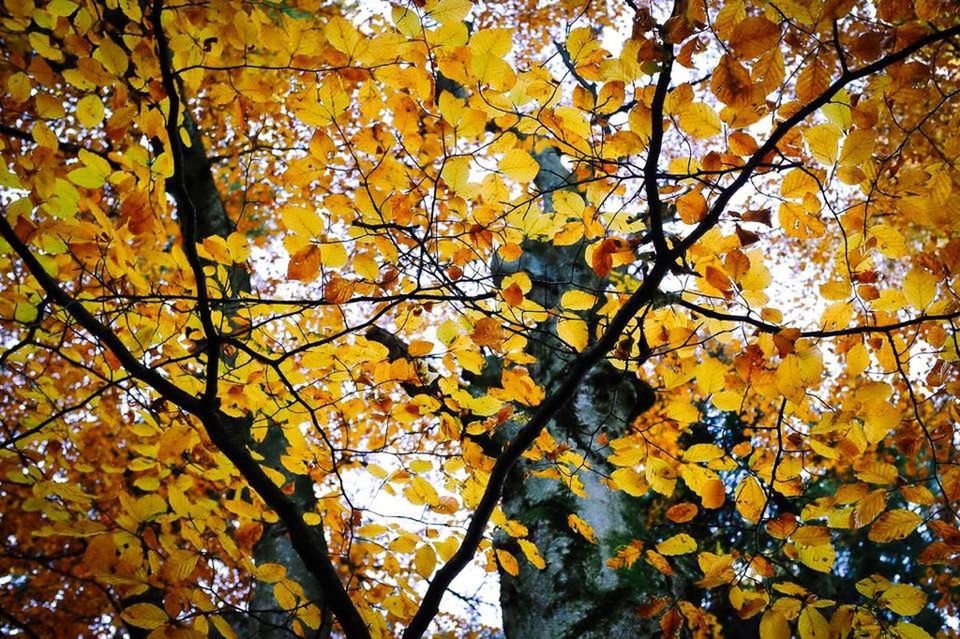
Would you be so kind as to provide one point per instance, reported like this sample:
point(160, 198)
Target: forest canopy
point(648, 310)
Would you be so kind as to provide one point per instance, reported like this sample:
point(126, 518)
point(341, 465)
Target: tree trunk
point(576, 596)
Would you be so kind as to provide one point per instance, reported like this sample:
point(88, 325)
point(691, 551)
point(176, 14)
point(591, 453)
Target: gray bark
point(576, 596)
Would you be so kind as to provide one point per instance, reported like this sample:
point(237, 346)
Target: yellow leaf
point(420, 348)
point(573, 332)
point(661, 476)
point(531, 553)
point(919, 495)
point(456, 173)
point(630, 482)
point(518, 386)
point(906, 630)
point(223, 627)
point(812, 625)
point(837, 110)
point(90, 111)
point(893, 525)
point(333, 255)
point(890, 241)
point(712, 493)
point(302, 221)
point(343, 35)
point(508, 562)
point(681, 544)
point(611, 97)
point(144, 615)
point(836, 316)
point(811, 536)
point(406, 21)
point(519, 165)
point(94, 173)
point(904, 599)
point(857, 148)
point(495, 42)
point(446, 11)
point(700, 121)
point(858, 359)
point(750, 499)
point(484, 406)
point(111, 56)
point(710, 375)
point(820, 558)
point(868, 508)
point(875, 472)
point(919, 288)
point(873, 585)
point(703, 453)
point(420, 492)
point(773, 625)
point(822, 141)
point(797, 183)
point(425, 560)
point(581, 42)
point(579, 525)
point(577, 301)
point(19, 86)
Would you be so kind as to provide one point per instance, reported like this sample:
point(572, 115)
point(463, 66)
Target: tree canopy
point(302, 303)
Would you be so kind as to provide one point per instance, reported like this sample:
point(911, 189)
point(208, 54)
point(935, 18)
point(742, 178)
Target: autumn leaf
point(731, 83)
point(754, 36)
point(700, 121)
point(144, 615)
point(519, 165)
point(90, 111)
point(750, 499)
point(574, 333)
point(532, 554)
point(677, 545)
point(919, 288)
point(812, 625)
point(305, 265)
point(630, 482)
point(893, 525)
point(773, 625)
point(904, 599)
point(580, 526)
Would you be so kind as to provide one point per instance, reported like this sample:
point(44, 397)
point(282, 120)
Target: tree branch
point(651, 186)
point(186, 210)
point(766, 327)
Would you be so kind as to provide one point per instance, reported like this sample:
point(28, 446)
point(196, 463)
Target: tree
point(650, 309)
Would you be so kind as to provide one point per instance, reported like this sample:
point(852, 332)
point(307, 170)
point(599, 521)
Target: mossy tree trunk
point(576, 596)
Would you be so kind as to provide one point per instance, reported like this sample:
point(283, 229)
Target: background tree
point(651, 309)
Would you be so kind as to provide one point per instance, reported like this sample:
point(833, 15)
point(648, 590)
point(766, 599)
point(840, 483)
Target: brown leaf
point(305, 265)
point(746, 237)
point(754, 36)
point(731, 82)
